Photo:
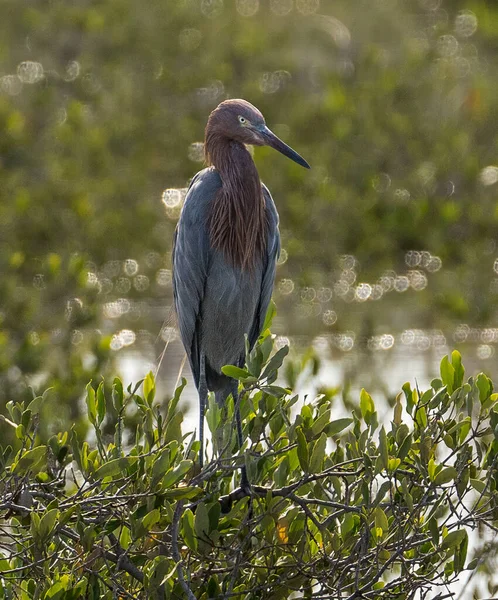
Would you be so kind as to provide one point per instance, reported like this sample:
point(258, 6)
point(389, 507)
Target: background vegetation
point(394, 103)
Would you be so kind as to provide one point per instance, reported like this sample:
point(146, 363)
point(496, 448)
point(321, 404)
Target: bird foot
point(244, 481)
point(244, 490)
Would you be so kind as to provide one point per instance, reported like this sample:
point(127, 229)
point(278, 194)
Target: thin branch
point(176, 553)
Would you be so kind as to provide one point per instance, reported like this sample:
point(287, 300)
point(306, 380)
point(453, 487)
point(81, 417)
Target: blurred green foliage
point(395, 105)
point(338, 508)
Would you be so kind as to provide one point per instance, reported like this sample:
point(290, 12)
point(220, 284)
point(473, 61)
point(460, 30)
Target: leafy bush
point(338, 507)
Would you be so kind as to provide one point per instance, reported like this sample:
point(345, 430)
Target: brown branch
point(176, 553)
point(288, 491)
point(123, 563)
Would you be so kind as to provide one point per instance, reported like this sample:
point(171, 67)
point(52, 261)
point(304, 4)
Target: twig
point(176, 554)
point(287, 492)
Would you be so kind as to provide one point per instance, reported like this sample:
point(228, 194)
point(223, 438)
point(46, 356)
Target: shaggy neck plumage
point(237, 220)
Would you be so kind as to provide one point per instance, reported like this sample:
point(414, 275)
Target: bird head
point(241, 121)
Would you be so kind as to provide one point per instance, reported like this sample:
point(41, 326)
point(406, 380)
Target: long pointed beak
point(272, 140)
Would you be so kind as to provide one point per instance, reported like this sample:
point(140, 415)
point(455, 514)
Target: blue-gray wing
point(191, 255)
point(269, 267)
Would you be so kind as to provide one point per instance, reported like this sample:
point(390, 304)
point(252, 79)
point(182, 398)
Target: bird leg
point(244, 483)
point(220, 440)
point(203, 393)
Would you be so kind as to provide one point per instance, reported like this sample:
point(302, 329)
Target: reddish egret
point(225, 251)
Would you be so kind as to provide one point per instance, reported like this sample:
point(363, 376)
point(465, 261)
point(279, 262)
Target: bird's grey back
point(216, 311)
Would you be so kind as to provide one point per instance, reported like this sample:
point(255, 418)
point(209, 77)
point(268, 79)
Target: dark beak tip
point(302, 162)
point(272, 140)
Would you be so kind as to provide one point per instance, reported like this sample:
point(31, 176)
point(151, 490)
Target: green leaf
point(275, 390)
point(320, 423)
point(213, 587)
point(449, 441)
point(270, 313)
point(384, 488)
point(35, 404)
point(169, 575)
point(381, 519)
point(117, 394)
point(149, 388)
point(236, 372)
point(302, 449)
point(445, 476)
point(484, 387)
point(151, 519)
point(268, 527)
point(173, 428)
point(307, 415)
point(213, 414)
point(447, 374)
point(66, 515)
point(398, 411)
point(401, 433)
point(173, 403)
point(35, 526)
point(201, 526)
point(156, 572)
point(406, 493)
point(460, 555)
point(20, 432)
point(367, 406)
point(101, 407)
point(434, 530)
point(117, 466)
point(57, 590)
point(409, 395)
point(265, 348)
point(214, 516)
point(174, 475)
point(335, 427)
point(32, 460)
point(421, 417)
point(188, 529)
point(464, 423)
point(454, 539)
point(456, 361)
point(182, 493)
point(405, 447)
point(276, 424)
point(254, 359)
point(282, 472)
point(431, 469)
point(47, 523)
point(349, 523)
point(478, 485)
point(438, 398)
point(91, 404)
point(160, 466)
point(464, 430)
point(76, 449)
point(275, 362)
point(318, 454)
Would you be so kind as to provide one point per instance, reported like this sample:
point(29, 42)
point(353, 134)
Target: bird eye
point(242, 120)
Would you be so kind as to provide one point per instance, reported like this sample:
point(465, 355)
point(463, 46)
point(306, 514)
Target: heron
point(225, 250)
